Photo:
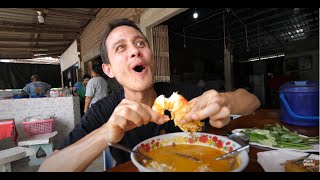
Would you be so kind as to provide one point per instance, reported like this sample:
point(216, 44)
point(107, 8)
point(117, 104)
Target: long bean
point(280, 136)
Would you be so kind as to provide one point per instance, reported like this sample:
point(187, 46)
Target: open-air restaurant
point(159, 90)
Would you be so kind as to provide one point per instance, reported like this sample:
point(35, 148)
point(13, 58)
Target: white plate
point(315, 147)
point(271, 160)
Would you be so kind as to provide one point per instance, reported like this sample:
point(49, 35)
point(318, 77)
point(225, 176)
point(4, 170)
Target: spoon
point(124, 148)
point(233, 153)
point(240, 138)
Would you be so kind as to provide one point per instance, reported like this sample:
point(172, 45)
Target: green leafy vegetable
point(281, 137)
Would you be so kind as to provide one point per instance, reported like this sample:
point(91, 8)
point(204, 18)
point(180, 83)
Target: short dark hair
point(86, 76)
point(111, 26)
point(35, 77)
point(97, 68)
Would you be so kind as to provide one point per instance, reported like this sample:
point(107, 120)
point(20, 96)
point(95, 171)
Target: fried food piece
point(301, 165)
point(178, 107)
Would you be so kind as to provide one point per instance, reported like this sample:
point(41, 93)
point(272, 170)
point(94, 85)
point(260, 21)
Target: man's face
point(131, 60)
point(85, 81)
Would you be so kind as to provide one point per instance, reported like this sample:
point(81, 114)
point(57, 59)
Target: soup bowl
point(216, 142)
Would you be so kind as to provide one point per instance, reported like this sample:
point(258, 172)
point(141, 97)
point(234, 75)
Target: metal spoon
point(124, 148)
point(233, 153)
point(240, 138)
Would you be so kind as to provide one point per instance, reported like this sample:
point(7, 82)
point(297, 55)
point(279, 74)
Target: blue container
point(18, 96)
point(299, 103)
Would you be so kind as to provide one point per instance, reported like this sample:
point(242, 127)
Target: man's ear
point(107, 70)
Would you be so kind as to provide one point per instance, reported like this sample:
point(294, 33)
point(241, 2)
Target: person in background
point(202, 84)
point(80, 90)
point(36, 88)
point(126, 116)
point(97, 87)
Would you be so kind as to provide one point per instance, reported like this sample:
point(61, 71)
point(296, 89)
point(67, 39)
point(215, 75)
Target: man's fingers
point(142, 111)
point(219, 123)
point(154, 116)
point(138, 113)
point(202, 114)
point(130, 115)
point(222, 114)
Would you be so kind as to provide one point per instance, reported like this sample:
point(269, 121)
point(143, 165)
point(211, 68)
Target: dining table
point(257, 119)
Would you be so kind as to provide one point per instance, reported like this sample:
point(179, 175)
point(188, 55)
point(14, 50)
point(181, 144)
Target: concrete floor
point(22, 166)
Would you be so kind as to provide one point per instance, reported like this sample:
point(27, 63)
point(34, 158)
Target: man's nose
point(135, 52)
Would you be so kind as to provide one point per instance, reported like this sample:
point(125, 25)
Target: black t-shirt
point(100, 112)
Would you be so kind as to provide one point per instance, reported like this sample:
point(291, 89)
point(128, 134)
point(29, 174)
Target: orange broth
point(206, 154)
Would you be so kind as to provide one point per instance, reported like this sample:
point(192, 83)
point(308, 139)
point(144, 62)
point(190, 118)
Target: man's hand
point(210, 104)
point(128, 115)
point(219, 106)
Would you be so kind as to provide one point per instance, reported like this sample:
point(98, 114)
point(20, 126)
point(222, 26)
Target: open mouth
point(139, 68)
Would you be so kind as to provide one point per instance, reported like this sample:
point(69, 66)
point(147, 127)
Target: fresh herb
point(280, 137)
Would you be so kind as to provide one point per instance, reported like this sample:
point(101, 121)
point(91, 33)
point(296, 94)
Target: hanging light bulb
point(195, 15)
point(40, 17)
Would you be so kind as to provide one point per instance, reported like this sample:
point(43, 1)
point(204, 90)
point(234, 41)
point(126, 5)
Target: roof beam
point(28, 46)
point(65, 13)
point(31, 55)
point(26, 51)
point(37, 30)
point(34, 40)
point(14, 56)
point(39, 26)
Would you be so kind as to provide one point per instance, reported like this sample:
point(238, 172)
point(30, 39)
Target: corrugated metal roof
point(251, 31)
point(23, 36)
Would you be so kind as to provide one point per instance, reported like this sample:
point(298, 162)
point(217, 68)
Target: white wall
point(70, 57)
point(65, 109)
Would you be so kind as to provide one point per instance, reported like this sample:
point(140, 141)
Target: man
point(80, 90)
point(97, 87)
point(126, 117)
point(36, 88)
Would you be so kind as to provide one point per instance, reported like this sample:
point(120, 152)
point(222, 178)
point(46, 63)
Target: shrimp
point(178, 107)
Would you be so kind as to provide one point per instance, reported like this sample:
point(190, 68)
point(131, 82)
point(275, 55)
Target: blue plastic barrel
point(299, 103)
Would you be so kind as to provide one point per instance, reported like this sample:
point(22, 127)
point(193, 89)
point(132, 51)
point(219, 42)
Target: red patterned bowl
point(204, 139)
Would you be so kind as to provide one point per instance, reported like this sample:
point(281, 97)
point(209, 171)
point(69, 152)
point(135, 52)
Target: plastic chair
point(107, 159)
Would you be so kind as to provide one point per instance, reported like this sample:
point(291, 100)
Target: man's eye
point(140, 43)
point(120, 48)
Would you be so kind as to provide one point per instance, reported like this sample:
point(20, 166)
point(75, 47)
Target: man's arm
point(78, 156)
point(87, 103)
point(26, 89)
point(242, 102)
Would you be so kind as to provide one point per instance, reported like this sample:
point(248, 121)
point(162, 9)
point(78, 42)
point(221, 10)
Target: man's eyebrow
point(117, 42)
point(139, 37)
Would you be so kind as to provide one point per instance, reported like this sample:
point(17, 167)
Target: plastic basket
point(38, 127)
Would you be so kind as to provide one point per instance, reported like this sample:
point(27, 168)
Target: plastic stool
point(42, 141)
point(34, 160)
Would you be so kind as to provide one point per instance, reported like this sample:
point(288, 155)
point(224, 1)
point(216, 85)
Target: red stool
point(8, 129)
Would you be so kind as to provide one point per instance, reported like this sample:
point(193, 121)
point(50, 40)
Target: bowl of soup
point(183, 152)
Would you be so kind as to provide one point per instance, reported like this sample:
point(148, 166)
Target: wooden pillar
point(228, 57)
point(161, 53)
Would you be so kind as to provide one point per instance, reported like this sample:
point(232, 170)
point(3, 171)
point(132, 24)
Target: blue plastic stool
point(107, 159)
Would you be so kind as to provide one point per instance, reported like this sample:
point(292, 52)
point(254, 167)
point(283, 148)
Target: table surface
point(257, 119)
